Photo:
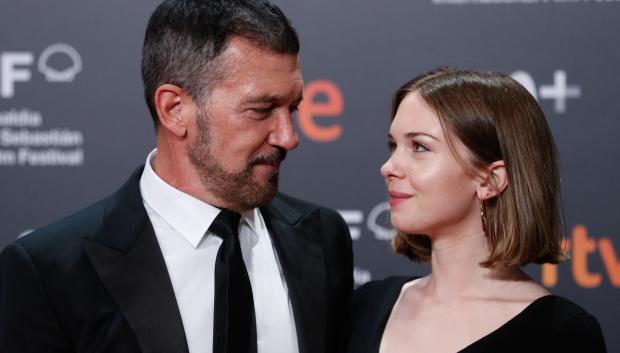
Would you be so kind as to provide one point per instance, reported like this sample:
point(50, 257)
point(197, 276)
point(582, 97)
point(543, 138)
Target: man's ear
point(495, 182)
point(174, 109)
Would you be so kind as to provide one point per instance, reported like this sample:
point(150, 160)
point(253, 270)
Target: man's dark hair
point(184, 39)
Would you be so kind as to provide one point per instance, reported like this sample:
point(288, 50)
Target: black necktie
point(234, 326)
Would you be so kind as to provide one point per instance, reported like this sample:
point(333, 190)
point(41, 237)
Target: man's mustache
point(273, 158)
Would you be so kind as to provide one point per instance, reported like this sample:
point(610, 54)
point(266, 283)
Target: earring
point(483, 217)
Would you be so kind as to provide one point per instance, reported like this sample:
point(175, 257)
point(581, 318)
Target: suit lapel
point(127, 258)
point(299, 247)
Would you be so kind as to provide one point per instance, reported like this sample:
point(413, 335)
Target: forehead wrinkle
point(262, 98)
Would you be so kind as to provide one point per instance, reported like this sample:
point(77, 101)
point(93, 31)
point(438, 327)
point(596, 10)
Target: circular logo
point(66, 75)
point(373, 222)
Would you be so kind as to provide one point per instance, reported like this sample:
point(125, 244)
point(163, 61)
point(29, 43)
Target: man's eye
point(260, 113)
point(263, 111)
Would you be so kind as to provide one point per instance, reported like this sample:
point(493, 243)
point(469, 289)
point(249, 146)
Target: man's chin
point(269, 187)
point(261, 192)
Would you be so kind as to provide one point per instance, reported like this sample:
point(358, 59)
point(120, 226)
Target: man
point(137, 271)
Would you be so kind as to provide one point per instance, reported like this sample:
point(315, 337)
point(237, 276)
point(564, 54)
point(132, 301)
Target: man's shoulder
point(67, 234)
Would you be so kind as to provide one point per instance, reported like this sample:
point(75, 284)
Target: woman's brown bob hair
point(497, 119)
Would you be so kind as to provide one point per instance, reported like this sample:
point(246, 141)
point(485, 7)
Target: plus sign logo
point(559, 91)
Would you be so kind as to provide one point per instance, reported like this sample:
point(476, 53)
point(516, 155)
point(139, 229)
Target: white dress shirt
point(181, 224)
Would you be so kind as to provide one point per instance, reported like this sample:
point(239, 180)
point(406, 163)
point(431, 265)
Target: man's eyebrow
point(267, 98)
point(262, 99)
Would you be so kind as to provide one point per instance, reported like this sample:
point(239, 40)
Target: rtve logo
point(14, 67)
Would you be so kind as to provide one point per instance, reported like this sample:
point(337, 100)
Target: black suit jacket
point(97, 281)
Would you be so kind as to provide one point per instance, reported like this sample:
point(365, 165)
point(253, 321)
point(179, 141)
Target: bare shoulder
point(518, 294)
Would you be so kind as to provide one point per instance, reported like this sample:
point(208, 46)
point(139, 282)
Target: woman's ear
point(495, 182)
point(174, 109)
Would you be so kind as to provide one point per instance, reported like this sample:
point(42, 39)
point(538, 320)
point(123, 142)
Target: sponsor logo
point(15, 67)
point(361, 276)
point(378, 222)
point(54, 75)
point(24, 143)
point(322, 100)
point(559, 91)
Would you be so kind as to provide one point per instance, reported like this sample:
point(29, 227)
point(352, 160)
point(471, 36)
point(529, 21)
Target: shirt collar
point(254, 220)
point(188, 215)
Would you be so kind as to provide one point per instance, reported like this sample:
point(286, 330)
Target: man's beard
point(238, 189)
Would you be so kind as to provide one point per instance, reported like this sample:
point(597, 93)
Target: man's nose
point(283, 134)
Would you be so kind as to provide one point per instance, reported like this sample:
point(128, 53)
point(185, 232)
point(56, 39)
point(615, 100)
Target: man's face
point(245, 128)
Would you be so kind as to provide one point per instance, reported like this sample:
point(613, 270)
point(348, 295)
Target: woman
point(473, 185)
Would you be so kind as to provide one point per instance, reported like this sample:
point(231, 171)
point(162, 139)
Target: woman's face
point(430, 192)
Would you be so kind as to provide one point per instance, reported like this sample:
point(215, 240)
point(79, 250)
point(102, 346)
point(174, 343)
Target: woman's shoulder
point(371, 305)
point(561, 309)
point(384, 284)
point(381, 286)
point(384, 291)
point(571, 326)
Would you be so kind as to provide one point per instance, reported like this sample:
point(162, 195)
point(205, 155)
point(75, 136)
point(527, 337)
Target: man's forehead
point(242, 49)
point(265, 89)
point(259, 75)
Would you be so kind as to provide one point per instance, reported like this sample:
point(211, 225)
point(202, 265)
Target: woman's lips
point(397, 197)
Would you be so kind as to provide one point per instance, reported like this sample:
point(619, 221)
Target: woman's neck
point(456, 271)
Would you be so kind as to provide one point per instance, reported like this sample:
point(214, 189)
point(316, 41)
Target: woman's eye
point(391, 146)
point(418, 147)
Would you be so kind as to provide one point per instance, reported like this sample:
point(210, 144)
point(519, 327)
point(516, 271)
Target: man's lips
point(270, 165)
point(271, 160)
point(397, 197)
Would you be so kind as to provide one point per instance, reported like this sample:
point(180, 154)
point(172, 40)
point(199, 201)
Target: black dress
point(549, 324)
